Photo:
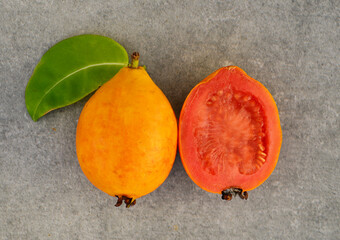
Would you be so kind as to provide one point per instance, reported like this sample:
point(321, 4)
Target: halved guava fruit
point(229, 133)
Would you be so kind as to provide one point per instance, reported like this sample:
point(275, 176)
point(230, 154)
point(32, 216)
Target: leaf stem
point(134, 60)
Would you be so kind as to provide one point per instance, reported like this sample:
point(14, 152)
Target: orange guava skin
point(126, 136)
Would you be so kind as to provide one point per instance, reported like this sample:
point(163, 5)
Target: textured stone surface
point(292, 47)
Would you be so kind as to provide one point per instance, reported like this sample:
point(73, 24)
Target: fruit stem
point(134, 60)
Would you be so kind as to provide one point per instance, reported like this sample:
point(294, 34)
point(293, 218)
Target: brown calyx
point(128, 201)
point(228, 193)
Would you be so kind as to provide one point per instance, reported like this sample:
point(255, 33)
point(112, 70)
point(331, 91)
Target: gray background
point(292, 47)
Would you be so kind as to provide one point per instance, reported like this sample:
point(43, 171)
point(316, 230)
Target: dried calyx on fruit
point(228, 193)
point(128, 201)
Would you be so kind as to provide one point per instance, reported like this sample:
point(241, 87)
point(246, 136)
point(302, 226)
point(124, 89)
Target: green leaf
point(72, 69)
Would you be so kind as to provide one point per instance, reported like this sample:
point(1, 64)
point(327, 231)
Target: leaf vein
point(72, 73)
